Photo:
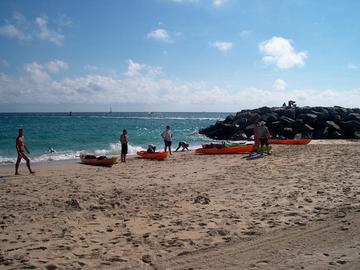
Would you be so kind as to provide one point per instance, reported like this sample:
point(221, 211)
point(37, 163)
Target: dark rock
point(322, 132)
point(286, 121)
point(239, 136)
point(229, 119)
point(249, 130)
point(269, 117)
point(332, 125)
point(299, 125)
point(352, 116)
point(333, 134)
point(241, 122)
point(290, 113)
point(356, 135)
point(288, 132)
point(308, 128)
point(276, 128)
point(309, 118)
point(263, 110)
point(51, 267)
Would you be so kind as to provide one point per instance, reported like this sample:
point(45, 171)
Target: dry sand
point(296, 209)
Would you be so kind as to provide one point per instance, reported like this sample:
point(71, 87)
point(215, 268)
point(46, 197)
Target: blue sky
point(177, 55)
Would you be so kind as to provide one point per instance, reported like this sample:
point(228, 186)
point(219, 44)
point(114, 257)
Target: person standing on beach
point(167, 136)
point(124, 139)
point(21, 148)
point(256, 140)
point(264, 136)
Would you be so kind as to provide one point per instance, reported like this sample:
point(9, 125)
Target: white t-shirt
point(167, 135)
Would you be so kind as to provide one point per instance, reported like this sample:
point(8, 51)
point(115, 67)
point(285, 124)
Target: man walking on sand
point(21, 148)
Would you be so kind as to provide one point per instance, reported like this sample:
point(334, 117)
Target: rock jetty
point(287, 121)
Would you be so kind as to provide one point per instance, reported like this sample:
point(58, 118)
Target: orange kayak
point(289, 141)
point(225, 150)
point(98, 162)
point(156, 155)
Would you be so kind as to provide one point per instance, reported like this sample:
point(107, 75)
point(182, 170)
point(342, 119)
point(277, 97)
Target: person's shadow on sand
point(253, 157)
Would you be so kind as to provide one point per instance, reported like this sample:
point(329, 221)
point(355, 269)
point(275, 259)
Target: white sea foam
point(113, 150)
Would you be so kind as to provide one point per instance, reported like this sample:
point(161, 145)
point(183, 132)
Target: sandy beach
point(296, 209)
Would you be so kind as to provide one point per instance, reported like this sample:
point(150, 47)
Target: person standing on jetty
point(21, 148)
point(167, 136)
point(264, 136)
point(124, 139)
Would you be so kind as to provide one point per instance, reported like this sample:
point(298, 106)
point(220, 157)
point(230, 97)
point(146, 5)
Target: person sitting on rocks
point(292, 103)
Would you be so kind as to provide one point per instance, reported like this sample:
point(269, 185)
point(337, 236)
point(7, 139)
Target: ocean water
point(96, 133)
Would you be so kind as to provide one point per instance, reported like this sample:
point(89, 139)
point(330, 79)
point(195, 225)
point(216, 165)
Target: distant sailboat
point(110, 111)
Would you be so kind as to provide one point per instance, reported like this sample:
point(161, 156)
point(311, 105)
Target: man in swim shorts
point(21, 148)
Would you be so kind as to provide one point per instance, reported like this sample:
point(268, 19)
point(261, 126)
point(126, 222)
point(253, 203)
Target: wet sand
point(296, 209)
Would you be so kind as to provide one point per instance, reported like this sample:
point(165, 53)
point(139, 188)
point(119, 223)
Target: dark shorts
point(264, 141)
point(124, 148)
point(167, 143)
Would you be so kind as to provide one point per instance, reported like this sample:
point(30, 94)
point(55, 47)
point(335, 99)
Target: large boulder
point(276, 128)
point(332, 125)
point(287, 121)
point(351, 117)
point(309, 118)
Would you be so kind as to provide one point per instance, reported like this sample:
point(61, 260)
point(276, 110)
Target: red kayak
point(289, 141)
point(156, 155)
point(100, 161)
point(246, 149)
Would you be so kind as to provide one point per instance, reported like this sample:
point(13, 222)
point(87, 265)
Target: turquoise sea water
point(96, 133)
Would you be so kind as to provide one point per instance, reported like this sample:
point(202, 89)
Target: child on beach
point(124, 145)
point(21, 148)
point(167, 136)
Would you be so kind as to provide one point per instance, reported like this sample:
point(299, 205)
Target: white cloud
point(45, 33)
point(56, 66)
point(279, 84)
point(280, 52)
point(137, 69)
point(160, 35)
point(12, 31)
point(37, 72)
point(218, 3)
point(352, 66)
point(134, 68)
point(222, 46)
point(149, 89)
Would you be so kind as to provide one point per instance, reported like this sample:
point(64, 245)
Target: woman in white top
point(167, 136)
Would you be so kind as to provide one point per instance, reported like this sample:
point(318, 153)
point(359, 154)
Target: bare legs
point(20, 156)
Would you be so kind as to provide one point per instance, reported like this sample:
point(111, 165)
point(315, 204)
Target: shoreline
point(65, 161)
point(182, 211)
